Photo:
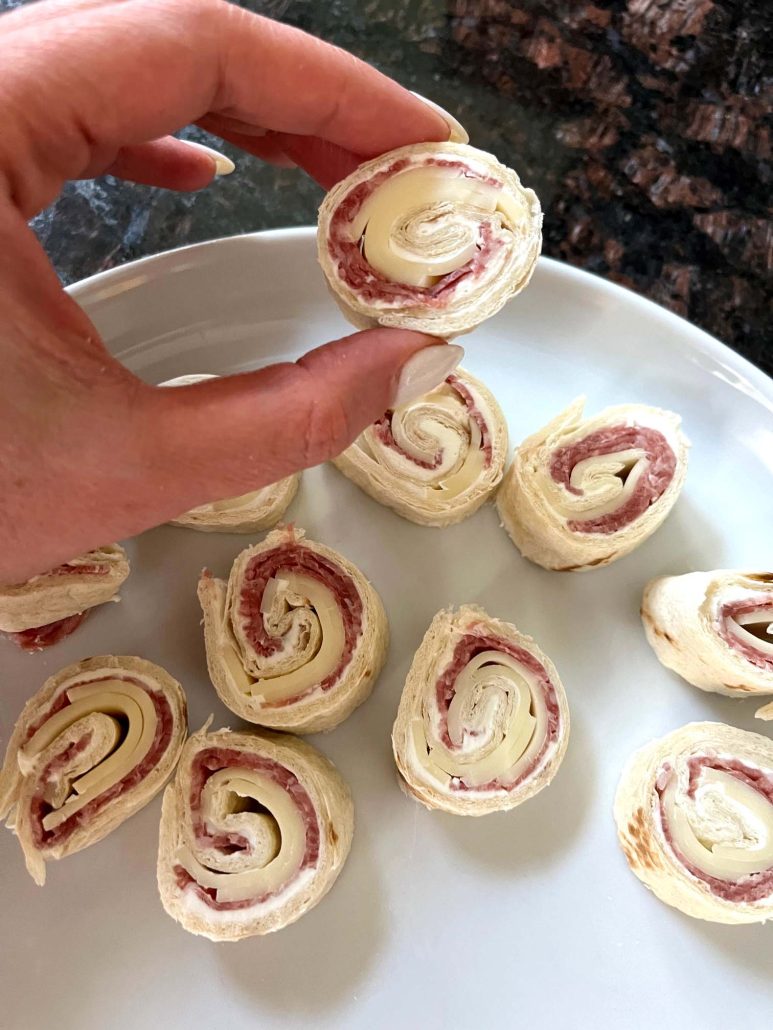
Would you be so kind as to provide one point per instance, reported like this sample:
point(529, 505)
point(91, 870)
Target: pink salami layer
point(652, 484)
point(369, 284)
point(213, 759)
point(383, 429)
point(46, 636)
point(754, 887)
point(39, 807)
point(294, 557)
point(731, 611)
point(470, 645)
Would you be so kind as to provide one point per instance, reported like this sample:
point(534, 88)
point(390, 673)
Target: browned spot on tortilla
point(761, 577)
point(638, 837)
point(646, 617)
point(739, 686)
point(332, 836)
point(587, 565)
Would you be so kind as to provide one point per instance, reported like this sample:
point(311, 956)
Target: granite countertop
point(643, 125)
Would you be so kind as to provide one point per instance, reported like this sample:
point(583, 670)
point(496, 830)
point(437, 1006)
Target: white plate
point(531, 918)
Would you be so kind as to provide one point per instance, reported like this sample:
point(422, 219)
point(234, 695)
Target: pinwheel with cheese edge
point(91, 748)
point(715, 629)
point(483, 722)
point(434, 237)
point(694, 814)
point(297, 636)
point(255, 830)
point(249, 513)
point(437, 459)
point(49, 607)
point(581, 493)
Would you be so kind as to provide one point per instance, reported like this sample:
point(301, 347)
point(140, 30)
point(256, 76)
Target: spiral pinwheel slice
point(249, 513)
point(483, 722)
point(297, 636)
point(715, 629)
point(436, 460)
point(91, 748)
point(434, 237)
point(581, 493)
point(49, 607)
point(255, 830)
point(694, 814)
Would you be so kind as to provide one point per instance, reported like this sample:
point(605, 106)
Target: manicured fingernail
point(458, 132)
point(223, 165)
point(425, 370)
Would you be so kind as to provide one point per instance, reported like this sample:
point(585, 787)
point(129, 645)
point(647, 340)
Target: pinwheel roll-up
point(297, 636)
point(715, 629)
point(437, 459)
point(584, 492)
point(434, 237)
point(249, 513)
point(90, 749)
point(694, 813)
point(49, 607)
point(254, 832)
point(483, 722)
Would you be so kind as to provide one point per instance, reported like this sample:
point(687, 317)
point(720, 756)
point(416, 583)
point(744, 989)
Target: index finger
point(80, 81)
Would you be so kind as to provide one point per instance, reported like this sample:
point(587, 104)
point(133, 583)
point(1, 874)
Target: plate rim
point(694, 338)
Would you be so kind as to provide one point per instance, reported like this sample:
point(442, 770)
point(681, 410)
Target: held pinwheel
point(434, 237)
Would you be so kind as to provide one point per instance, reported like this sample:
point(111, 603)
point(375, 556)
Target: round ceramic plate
point(529, 918)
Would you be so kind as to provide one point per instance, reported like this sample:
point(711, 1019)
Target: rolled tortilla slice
point(715, 629)
point(90, 749)
point(255, 830)
point(581, 493)
point(434, 237)
point(436, 460)
point(694, 814)
point(297, 636)
point(483, 722)
point(49, 607)
point(249, 513)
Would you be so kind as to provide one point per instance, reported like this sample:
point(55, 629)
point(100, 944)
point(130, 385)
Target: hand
point(89, 453)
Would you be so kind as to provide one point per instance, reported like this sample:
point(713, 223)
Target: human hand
point(88, 452)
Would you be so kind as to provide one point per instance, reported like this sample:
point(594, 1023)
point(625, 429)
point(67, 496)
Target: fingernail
point(425, 370)
point(223, 165)
point(458, 132)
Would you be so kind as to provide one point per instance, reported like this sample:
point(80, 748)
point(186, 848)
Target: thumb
point(224, 437)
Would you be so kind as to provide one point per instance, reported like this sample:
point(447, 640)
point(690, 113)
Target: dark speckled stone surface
point(644, 126)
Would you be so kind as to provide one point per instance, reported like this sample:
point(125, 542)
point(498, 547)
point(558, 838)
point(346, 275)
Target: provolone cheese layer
point(95, 745)
point(583, 492)
point(50, 606)
point(248, 839)
point(296, 626)
point(434, 460)
point(483, 717)
point(431, 236)
point(695, 816)
point(248, 513)
point(715, 629)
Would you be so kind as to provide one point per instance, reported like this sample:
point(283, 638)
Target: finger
point(170, 163)
point(286, 417)
point(86, 80)
point(325, 162)
point(263, 146)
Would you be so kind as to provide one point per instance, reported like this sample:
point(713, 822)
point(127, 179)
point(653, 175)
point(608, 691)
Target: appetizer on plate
point(255, 830)
point(91, 748)
point(434, 237)
point(436, 460)
point(715, 629)
point(694, 814)
point(51, 606)
point(297, 636)
point(581, 493)
point(483, 722)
